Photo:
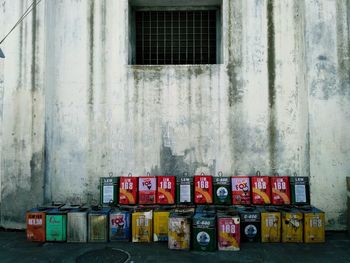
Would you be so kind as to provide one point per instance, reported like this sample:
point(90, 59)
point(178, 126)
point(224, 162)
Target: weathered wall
point(75, 110)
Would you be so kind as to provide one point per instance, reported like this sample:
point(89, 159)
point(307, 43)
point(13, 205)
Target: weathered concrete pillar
point(348, 191)
point(1, 112)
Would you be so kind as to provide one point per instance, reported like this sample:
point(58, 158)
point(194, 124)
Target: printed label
point(203, 238)
point(185, 193)
point(250, 231)
point(108, 192)
point(300, 193)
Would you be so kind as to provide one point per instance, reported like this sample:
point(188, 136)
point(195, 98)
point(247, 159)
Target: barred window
point(176, 37)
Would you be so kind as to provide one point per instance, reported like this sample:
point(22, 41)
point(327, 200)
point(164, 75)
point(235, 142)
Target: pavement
point(15, 248)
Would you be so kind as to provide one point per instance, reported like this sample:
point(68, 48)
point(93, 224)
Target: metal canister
point(109, 187)
point(240, 190)
point(179, 230)
point(98, 224)
point(222, 190)
point(280, 193)
point(142, 226)
point(184, 185)
point(250, 224)
point(36, 225)
point(292, 225)
point(300, 190)
point(160, 224)
point(270, 225)
point(128, 190)
point(229, 231)
point(261, 190)
point(120, 224)
point(77, 225)
point(166, 190)
point(314, 225)
point(56, 225)
point(203, 189)
point(147, 189)
point(204, 232)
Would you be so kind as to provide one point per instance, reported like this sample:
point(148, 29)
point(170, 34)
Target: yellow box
point(142, 226)
point(179, 231)
point(160, 226)
point(292, 226)
point(270, 226)
point(314, 228)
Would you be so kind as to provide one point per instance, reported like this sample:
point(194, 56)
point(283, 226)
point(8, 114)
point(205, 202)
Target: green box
point(204, 232)
point(300, 190)
point(109, 188)
point(56, 226)
point(222, 191)
point(184, 190)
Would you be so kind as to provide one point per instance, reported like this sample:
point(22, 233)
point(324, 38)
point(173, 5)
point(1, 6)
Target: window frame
point(183, 7)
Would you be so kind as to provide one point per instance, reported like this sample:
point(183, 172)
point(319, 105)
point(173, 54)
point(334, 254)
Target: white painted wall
point(74, 110)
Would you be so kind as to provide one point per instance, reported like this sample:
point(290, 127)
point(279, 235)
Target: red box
point(36, 226)
point(240, 190)
point(166, 190)
point(280, 190)
point(128, 190)
point(229, 233)
point(147, 189)
point(203, 189)
point(261, 190)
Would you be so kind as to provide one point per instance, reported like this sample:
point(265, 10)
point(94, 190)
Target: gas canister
point(250, 224)
point(203, 193)
point(147, 189)
point(261, 190)
point(229, 231)
point(36, 224)
point(128, 190)
point(184, 191)
point(142, 222)
point(300, 190)
point(204, 232)
point(240, 190)
point(77, 225)
point(270, 225)
point(292, 225)
point(222, 190)
point(56, 225)
point(109, 190)
point(314, 228)
point(280, 190)
point(160, 224)
point(179, 230)
point(120, 224)
point(98, 224)
point(166, 190)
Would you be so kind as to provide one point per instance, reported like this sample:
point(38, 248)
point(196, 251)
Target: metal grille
point(175, 37)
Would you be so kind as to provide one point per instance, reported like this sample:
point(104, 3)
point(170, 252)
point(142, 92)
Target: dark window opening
point(176, 37)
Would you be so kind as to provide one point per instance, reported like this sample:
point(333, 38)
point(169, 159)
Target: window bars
point(175, 37)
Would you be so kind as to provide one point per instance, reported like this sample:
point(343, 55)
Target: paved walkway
point(15, 248)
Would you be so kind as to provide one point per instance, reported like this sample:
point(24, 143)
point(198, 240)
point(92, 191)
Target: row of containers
point(201, 228)
point(205, 189)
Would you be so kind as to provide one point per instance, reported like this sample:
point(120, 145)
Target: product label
point(185, 193)
point(203, 238)
point(108, 192)
point(300, 193)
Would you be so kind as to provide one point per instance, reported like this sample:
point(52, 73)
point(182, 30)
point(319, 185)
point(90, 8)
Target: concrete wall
point(74, 110)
